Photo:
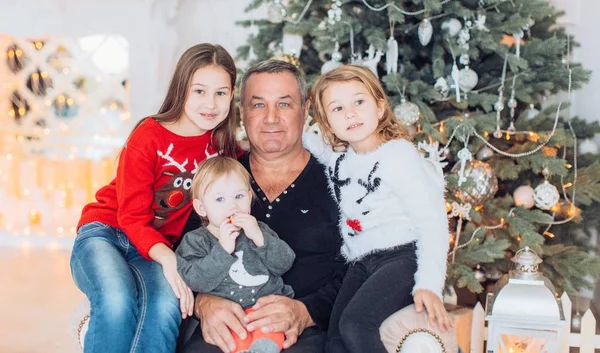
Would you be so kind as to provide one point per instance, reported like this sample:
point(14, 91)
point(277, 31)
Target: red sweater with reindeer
point(149, 199)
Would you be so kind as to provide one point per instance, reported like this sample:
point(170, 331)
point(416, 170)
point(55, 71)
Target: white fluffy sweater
point(389, 197)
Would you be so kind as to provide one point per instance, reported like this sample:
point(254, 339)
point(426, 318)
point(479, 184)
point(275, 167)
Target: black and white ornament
point(441, 86)
point(407, 112)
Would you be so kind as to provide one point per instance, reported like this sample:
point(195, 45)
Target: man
point(294, 200)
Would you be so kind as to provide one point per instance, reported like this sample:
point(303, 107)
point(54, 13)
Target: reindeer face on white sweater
point(175, 193)
point(361, 194)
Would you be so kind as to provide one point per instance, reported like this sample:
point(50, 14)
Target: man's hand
point(276, 313)
point(435, 309)
point(217, 316)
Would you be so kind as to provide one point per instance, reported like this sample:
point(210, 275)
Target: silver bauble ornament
point(481, 184)
point(425, 32)
point(523, 196)
point(530, 113)
point(545, 195)
point(407, 112)
point(494, 274)
point(452, 26)
point(468, 79)
point(479, 274)
point(335, 62)
point(276, 12)
point(484, 153)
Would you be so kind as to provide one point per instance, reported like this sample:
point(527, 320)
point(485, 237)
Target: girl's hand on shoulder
point(250, 226)
point(228, 233)
point(435, 309)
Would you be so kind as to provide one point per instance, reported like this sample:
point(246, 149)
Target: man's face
point(272, 112)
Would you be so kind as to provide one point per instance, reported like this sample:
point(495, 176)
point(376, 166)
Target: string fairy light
point(570, 201)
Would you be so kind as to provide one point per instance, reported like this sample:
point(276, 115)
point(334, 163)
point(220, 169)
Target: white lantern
point(524, 315)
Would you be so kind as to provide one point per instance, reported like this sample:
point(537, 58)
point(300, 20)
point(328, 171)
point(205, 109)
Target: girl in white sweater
point(393, 220)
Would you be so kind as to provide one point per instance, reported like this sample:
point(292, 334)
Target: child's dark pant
point(373, 289)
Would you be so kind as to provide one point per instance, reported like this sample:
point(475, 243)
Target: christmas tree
point(472, 80)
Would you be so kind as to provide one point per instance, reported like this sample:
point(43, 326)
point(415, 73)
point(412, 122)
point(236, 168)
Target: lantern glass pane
point(522, 344)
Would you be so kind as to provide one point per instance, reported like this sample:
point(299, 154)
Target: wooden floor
point(37, 301)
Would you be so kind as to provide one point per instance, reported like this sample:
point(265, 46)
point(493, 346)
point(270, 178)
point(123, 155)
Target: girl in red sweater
point(122, 257)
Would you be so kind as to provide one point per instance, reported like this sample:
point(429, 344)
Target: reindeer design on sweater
point(175, 193)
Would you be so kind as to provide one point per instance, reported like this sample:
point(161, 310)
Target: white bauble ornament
point(452, 26)
point(468, 79)
point(425, 32)
point(530, 113)
point(576, 321)
point(484, 153)
point(479, 274)
point(588, 146)
point(407, 112)
point(545, 196)
point(292, 44)
point(335, 62)
point(332, 64)
point(523, 196)
point(441, 85)
point(276, 12)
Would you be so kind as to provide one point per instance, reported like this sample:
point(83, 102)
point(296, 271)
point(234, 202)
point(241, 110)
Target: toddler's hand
point(435, 309)
point(250, 226)
point(228, 234)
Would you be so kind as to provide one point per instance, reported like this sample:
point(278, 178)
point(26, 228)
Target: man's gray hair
point(275, 66)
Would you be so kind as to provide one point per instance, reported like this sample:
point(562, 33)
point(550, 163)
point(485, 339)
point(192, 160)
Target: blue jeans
point(133, 308)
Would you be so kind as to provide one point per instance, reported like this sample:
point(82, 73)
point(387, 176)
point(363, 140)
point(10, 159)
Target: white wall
point(581, 20)
point(158, 31)
point(36, 19)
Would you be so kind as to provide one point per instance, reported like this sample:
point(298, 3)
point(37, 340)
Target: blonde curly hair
point(388, 128)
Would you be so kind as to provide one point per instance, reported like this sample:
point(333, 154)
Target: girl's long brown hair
point(389, 128)
point(171, 109)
